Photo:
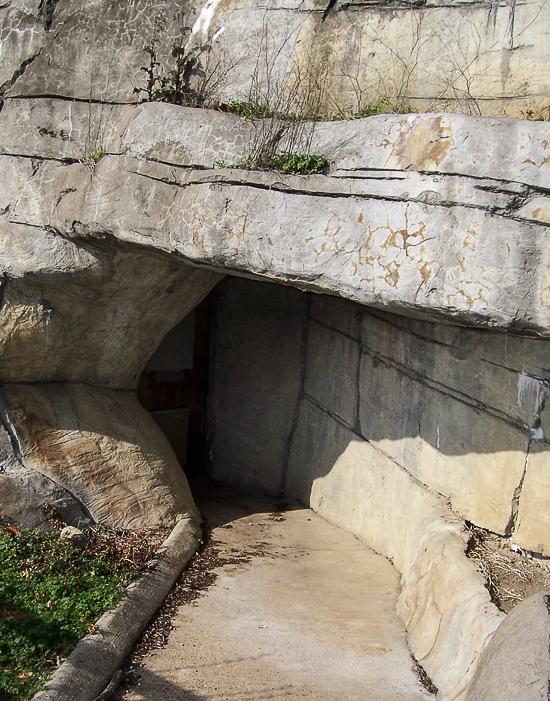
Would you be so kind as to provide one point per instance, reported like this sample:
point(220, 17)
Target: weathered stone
point(73, 535)
point(435, 55)
point(103, 448)
point(533, 514)
point(74, 312)
point(448, 614)
point(472, 457)
point(381, 242)
point(516, 663)
point(256, 382)
point(24, 489)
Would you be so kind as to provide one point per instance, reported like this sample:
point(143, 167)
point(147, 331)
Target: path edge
point(89, 668)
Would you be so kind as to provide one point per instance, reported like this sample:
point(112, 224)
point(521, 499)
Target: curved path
point(311, 615)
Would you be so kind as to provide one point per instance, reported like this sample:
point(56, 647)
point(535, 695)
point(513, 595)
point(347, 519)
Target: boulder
point(516, 663)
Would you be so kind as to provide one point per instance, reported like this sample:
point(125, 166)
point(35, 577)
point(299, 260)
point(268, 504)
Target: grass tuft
point(290, 163)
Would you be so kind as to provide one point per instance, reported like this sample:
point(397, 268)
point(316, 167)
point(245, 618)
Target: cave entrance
point(174, 384)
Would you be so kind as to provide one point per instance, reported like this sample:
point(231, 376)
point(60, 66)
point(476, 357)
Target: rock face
point(412, 217)
point(516, 663)
point(101, 447)
point(463, 57)
point(380, 423)
point(117, 219)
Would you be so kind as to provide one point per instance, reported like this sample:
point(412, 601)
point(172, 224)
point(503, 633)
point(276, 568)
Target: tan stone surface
point(470, 456)
point(533, 518)
point(103, 448)
point(311, 616)
point(444, 602)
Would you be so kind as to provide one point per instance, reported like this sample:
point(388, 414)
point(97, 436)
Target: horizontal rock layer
point(422, 214)
point(468, 56)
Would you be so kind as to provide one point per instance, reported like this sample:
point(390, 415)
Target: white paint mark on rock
point(533, 390)
point(204, 20)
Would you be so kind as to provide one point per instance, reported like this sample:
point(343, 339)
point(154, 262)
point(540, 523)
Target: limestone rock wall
point(99, 446)
point(473, 56)
point(462, 410)
point(429, 215)
point(396, 429)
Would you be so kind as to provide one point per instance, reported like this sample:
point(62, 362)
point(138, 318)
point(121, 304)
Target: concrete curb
point(89, 668)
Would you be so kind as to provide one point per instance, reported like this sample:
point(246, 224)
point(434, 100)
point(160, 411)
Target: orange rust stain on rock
point(546, 145)
point(542, 213)
point(426, 272)
point(425, 146)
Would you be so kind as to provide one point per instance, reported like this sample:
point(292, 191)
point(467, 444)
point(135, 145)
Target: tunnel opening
point(173, 387)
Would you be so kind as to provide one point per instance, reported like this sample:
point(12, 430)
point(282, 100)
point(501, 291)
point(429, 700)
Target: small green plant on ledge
point(290, 163)
point(197, 74)
point(96, 155)
point(92, 158)
point(248, 109)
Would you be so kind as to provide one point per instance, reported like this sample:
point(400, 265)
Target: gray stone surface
point(256, 381)
point(516, 663)
point(465, 57)
point(448, 236)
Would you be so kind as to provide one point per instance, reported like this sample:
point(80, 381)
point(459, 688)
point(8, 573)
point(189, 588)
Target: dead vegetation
point(511, 574)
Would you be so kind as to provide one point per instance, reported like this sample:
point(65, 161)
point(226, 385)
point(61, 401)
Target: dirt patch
point(511, 574)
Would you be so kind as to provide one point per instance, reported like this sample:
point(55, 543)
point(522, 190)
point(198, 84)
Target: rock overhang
point(444, 216)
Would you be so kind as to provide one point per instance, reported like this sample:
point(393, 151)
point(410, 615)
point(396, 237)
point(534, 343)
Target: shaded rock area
point(516, 663)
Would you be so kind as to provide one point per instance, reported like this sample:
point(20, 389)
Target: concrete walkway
point(310, 616)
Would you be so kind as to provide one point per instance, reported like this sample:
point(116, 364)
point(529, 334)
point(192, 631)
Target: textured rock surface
point(466, 56)
point(516, 663)
point(99, 446)
point(415, 216)
point(433, 216)
point(361, 452)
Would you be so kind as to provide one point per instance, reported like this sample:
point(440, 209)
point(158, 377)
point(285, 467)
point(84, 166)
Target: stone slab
point(516, 663)
point(468, 455)
point(103, 448)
